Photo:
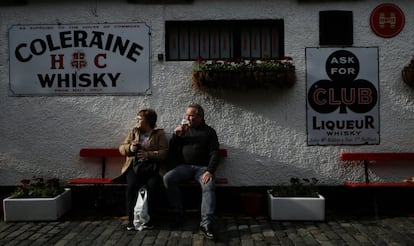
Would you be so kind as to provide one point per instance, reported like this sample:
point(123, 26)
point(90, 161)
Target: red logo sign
point(387, 20)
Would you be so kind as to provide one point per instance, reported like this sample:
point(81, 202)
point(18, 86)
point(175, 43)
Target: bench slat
point(100, 152)
point(86, 181)
point(382, 156)
point(223, 152)
point(359, 185)
point(217, 181)
point(90, 181)
point(114, 152)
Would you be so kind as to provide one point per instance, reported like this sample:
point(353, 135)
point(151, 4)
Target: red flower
point(52, 181)
point(199, 58)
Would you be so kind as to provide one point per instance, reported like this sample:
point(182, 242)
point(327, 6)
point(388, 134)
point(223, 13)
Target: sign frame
point(381, 24)
point(80, 59)
point(342, 108)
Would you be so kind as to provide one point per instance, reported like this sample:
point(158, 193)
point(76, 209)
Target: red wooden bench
point(103, 154)
point(369, 157)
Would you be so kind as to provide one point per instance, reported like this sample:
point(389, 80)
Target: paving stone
point(348, 239)
point(232, 230)
point(257, 236)
point(309, 240)
point(320, 237)
point(268, 233)
point(247, 242)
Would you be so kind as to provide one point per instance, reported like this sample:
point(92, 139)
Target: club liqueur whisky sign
point(81, 59)
point(342, 96)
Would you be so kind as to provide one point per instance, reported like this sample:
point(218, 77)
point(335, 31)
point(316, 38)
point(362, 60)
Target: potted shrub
point(243, 74)
point(408, 73)
point(299, 200)
point(36, 200)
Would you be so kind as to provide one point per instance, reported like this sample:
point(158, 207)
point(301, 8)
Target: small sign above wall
point(387, 20)
point(79, 59)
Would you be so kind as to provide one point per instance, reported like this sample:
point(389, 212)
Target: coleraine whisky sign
point(79, 59)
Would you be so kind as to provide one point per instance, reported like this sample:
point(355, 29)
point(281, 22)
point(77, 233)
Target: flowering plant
point(38, 187)
point(297, 188)
point(284, 64)
point(240, 73)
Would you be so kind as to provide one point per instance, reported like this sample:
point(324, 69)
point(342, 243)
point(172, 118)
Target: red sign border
point(372, 21)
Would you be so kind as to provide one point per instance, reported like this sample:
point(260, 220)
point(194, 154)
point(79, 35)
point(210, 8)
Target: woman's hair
point(149, 115)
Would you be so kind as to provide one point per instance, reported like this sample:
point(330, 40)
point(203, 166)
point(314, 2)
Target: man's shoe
point(208, 232)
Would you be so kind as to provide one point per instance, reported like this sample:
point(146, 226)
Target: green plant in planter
point(298, 188)
point(239, 73)
point(38, 187)
point(245, 65)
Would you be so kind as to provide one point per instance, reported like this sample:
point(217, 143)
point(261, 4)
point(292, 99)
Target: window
point(335, 27)
point(256, 39)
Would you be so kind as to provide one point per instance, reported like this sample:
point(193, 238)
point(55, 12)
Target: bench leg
point(375, 205)
point(366, 171)
point(103, 167)
point(99, 195)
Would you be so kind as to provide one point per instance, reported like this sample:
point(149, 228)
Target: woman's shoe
point(131, 227)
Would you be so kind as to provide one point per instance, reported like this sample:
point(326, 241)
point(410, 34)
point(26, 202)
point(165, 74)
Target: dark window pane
point(189, 40)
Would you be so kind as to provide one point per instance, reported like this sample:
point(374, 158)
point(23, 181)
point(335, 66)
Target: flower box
point(296, 208)
point(230, 75)
point(37, 209)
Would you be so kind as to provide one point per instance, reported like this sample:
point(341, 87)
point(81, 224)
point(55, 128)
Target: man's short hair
point(199, 109)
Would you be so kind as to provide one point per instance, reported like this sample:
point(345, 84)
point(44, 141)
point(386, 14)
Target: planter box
point(296, 208)
point(37, 209)
point(241, 80)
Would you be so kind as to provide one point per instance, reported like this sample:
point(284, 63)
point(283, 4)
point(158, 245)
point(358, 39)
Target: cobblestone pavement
point(231, 230)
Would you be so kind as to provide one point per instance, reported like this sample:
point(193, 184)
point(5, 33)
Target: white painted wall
point(265, 132)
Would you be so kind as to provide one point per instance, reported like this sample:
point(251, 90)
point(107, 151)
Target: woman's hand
point(134, 146)
point(143, 155)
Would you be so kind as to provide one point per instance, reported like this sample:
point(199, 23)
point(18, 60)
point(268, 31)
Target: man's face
point(193, 118)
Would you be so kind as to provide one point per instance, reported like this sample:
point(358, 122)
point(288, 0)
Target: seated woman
point(145, 143)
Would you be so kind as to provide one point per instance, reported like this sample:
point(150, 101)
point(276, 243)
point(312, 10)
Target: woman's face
point(142, 123)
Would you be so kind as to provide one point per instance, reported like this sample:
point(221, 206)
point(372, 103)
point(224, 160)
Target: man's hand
point(207, 176)
point(178, 130)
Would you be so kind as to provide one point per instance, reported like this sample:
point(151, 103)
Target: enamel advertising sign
point(387, 20)
point(81, 59)
point(342, 96)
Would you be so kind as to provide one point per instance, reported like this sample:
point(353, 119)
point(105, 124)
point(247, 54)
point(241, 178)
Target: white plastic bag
point(141, 215)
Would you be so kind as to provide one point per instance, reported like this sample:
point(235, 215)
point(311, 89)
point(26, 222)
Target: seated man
point(198, 148)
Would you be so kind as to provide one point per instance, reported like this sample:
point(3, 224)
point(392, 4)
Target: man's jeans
point(188, 172)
